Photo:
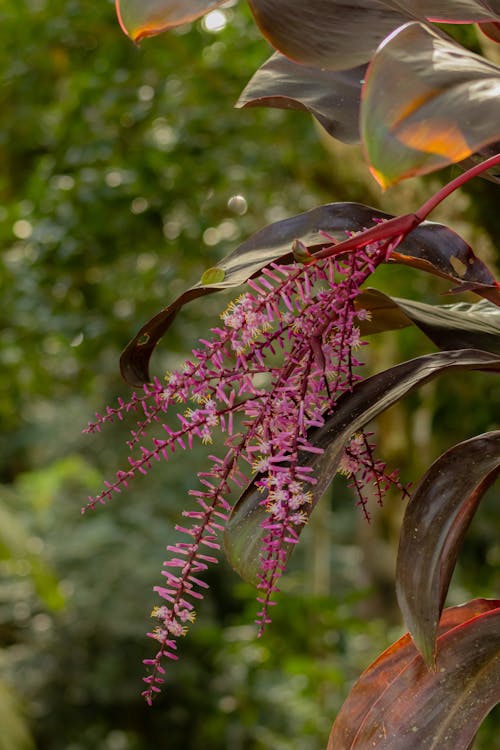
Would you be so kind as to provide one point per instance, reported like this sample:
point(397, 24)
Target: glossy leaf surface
point(335, 35)
point(434, 525)
point(491, 30)
point(244, 534)
point(426, 103)
point(321, 32)
point(142, 18)
point(325, 33)
point(458, 326)
point(431, 247)
point(385, 679)
point(333, 98)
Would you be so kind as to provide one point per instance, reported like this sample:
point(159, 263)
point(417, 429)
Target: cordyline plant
point(281, 378)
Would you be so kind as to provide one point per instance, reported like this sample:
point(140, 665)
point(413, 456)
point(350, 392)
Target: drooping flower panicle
point(285, 353)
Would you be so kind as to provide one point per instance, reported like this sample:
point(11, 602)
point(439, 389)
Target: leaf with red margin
point(434, 526)
point(321, 32)
point(491, 30)
point(325, 33)
point(385, 671)
point(333, 98)
point(243, 536)
point(430, 247)
point(339, 35)
point(142, 18)
point(426, 103)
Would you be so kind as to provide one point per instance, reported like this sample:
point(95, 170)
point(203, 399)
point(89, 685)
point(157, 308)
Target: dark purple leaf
point(325, 33)
point(385, 669)
point(330, 34)
point(333, 98)
point(458, 326)
point(430, 247)
point(435, 522)
point(397, 704)
point(243, 537)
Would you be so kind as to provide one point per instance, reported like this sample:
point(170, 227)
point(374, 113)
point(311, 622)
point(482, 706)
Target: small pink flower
point(283, 357)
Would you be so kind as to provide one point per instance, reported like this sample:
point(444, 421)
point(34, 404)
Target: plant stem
point(403, 225)
point(445, 191)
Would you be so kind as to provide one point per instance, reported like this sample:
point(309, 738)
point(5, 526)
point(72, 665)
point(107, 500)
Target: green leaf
point(458, 326)
point(434, 525)
point(15, 733)
point(396, 693)
point(333, 98)
point(15, 545)
point(243, 537)
point(431, 247)
point(213, 276)
point(426, 103)
point(142, 18)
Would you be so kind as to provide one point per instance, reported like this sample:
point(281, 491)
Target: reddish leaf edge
point(390, 664)
point(134, 360)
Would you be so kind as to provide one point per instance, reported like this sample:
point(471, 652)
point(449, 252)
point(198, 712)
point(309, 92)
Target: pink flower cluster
point(284, 355)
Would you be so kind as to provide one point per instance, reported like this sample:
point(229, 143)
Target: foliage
point(95, 261)
point(280, 377)
point(90, 259)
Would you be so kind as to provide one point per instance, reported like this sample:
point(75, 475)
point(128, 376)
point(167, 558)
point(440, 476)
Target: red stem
point(445, 191)
point(403, 225)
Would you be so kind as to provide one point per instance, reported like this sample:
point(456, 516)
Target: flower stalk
point(284, 354)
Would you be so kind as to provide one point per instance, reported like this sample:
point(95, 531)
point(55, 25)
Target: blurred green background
point(124, 173)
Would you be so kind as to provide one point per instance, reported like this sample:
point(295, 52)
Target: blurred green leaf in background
point(124, 174)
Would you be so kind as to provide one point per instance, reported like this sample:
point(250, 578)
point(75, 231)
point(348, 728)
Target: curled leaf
point(426, 103)
point(337, 35)
point(243, 536)
point(326, 34)
point(434, 526)
point(142, 18)
point(333, 98)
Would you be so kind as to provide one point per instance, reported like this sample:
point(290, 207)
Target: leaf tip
point(138, 31)
point(425, 642)
point(380, 178)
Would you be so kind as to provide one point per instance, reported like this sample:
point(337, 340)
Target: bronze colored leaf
point(434, 525)
point(426, 103)
point(335, 35)
point(142, 18)
point(389, 677)
point(333, 98)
